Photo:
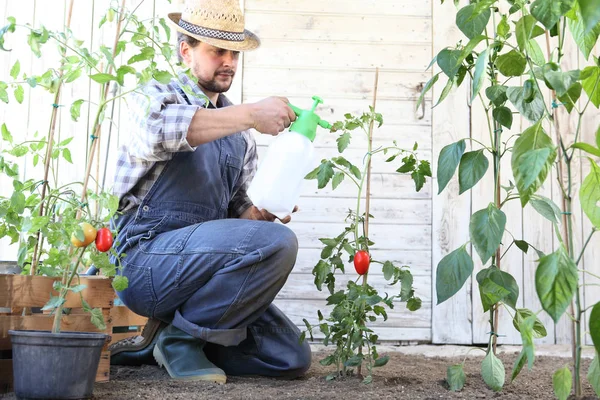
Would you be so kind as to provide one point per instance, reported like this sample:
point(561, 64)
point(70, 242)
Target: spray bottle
point(278, 180)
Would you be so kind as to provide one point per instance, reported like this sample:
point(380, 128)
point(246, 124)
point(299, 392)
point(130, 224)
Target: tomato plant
point(358, 305)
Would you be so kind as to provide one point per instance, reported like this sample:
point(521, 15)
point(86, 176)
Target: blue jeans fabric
point(216, 281)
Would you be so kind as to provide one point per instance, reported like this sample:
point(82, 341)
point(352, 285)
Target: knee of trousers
point(299, 362)
point(286, 244)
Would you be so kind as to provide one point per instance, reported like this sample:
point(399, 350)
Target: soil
point(404, 377)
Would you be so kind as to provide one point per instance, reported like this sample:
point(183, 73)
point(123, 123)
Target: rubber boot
point(183, 357)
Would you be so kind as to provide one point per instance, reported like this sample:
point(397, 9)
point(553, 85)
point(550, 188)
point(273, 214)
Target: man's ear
point(185, 51)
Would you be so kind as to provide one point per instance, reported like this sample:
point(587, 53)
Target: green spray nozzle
point(307, 121)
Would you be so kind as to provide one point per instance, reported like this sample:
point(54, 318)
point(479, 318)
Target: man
point(202, 262)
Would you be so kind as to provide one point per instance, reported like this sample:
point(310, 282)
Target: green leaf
point(480, 73)
point(120, 283)
point(561, 81)
point(76, 109)
point(456, 378)
point(493, 372)
point(381, 361)
point(53, 303)
point(447, 162)
point(556, 281)
point(17, 202)
point(473, 166)
point(547, 208)
point(503, 115)
point(590, 12)
point(490, 293)
point(593, 374)
point(388, 270)
point(570, 98)
point(525, 31)
point(336, 298)
point(586, 40)
point(103, 78)
point(122, 71)
point(534, 110)
point(497, 94)
point(534, 51)
point(343, 141)
point(163, 77)
point(338, 177)
point(166, 28)
point(449, 61)
point(486, 229)
point(6, 134)
point(3, 94)
point(589, 195)
point(98, 319)
point(522, 245)
point(445, 92)
point(413, 304)
point(503, 27)
point(588, 148)
point(501, 279)
point(19, 94)
point(532, 158)
point(539, 330)
point(548, 12)
point(598, 137)
point(595, 326)
point(452, 273)
point(519, 364)
point(591, 85)
point(472, 25)
point(354, 361)
point(66, 153)
point(426, 88)
point(562, 381)
point(147, 53)
point(512, 63)
point(16, 68)
point(77, 288)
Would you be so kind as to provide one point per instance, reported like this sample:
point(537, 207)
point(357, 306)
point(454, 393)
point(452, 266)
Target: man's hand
point(263, 215)
point(272, 115)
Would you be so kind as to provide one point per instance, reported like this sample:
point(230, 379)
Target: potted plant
point(61, 227)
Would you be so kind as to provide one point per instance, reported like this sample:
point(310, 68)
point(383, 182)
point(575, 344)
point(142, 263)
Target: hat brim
point(251, 41)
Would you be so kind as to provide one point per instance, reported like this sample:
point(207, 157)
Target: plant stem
point(589, 273)
point(594, 230)
point(63, 293)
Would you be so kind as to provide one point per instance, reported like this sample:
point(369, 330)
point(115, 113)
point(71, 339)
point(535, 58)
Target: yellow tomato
point(89, 232)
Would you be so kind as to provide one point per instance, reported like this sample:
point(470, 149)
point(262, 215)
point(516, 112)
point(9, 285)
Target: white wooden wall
point(331, 49)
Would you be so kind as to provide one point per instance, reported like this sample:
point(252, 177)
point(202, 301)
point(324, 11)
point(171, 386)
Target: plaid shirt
point(160, 117)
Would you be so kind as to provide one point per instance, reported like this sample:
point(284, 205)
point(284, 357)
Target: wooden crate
point(19, 291)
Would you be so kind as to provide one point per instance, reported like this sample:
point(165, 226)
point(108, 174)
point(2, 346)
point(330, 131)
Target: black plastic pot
point(55, 365)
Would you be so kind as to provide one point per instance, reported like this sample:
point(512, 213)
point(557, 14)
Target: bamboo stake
point(98, 127)
point(368, 193)
point(49, 148)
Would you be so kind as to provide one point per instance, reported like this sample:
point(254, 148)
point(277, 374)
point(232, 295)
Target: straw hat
point(219, 23)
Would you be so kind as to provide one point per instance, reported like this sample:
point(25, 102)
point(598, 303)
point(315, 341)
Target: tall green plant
point(359, 304)
point(44, 215)
point(501, 52)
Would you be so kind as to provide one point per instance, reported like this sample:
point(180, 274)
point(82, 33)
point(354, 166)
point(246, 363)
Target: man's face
point(213, 67)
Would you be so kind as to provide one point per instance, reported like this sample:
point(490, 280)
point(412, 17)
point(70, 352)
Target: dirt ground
point(404, 377)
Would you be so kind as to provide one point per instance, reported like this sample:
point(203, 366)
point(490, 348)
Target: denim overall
point(213, 278)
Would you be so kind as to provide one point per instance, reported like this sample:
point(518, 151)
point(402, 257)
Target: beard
point(218, 83)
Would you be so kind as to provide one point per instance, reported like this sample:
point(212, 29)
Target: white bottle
point(278, 180)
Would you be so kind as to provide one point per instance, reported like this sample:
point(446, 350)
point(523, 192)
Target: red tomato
point(361, 262)
point(104, 240)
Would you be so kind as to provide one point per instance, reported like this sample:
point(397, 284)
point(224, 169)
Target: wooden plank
point(123, 316)
point(385, 211)
point(419, 261)
point(77, 323)
point(379, 8)
point(399, 316)
point(450, 211)
point(332, 83)
point(103, 373)
point(28, 291)
point(279, 52)
point(386, 237)
point(339, 28)
point(388, 335)
point(301, 286)
point(383, 186)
